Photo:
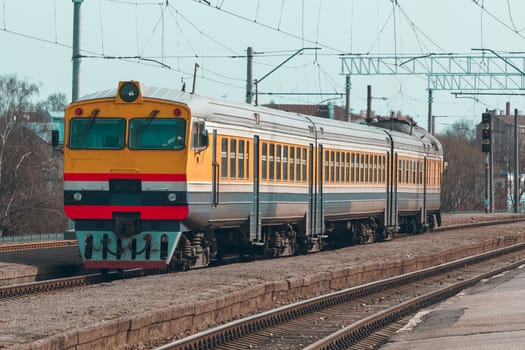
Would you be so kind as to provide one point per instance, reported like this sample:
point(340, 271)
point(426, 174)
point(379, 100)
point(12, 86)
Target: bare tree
point(55, 102)
point(464, 179)
point(30, 195)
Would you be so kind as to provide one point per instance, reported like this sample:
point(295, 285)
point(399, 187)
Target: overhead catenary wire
point(500, 21)
point(244, 18)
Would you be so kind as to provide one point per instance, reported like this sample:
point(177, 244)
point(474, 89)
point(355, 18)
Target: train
point(163, 178)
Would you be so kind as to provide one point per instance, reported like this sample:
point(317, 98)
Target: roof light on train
point(79, 111)
point(177, 112)
point(128, 92)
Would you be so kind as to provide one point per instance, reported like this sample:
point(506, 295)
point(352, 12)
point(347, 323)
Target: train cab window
point(97, 133)
point(157, 133)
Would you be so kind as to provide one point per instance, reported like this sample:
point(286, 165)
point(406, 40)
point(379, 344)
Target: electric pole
point(249, 78)
point(76, 49)
point(517, 177)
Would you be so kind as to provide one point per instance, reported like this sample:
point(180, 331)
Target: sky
point(171, 37)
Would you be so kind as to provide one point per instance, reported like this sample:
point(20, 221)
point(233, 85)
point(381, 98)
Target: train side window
point(407, 172)
point(271, 161)
point(383, 167)
point(400, 171)
point(297, 164)
point(264, 168)
point(414, 172)
point(240, 160)
point(326, 163)
point(278, 159)
point(247, 159)
point(364, 161)
point(378, 168)
point(332, 166)
point(285, 163)
point(352, 170)
point(347, 167)
point(224, 158)
point(357, 168)
point(337, 166)
point(233, 156)
point(303, 165)
point(292, 163)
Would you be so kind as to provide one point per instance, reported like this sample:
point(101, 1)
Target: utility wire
point(502, 22)
point(172, 7)
point(244, 18)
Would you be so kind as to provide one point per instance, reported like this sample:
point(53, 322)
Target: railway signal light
point(486, 132)
point(486, 118)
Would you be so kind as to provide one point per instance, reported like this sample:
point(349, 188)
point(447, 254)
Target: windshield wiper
point(88, 126)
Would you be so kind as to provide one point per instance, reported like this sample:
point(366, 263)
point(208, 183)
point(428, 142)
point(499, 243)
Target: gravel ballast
point(127, 312)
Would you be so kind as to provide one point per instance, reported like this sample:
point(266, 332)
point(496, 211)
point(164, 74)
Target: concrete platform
point(490, 315)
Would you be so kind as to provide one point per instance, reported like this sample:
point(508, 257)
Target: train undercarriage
point(197, 249)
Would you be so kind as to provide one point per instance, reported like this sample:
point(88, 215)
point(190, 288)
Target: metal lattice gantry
point(477, 72)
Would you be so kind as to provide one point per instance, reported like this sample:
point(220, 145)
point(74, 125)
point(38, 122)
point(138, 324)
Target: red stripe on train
point(105, 212)
point(107, 176)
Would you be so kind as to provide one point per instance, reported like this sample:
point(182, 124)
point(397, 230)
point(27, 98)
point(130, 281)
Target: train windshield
point(97, 133)
point(157, 133)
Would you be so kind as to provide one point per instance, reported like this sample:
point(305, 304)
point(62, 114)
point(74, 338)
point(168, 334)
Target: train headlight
point(77, 196)
point(172, 197)
point(128, 92)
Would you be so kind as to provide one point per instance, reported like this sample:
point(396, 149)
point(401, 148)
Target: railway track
point(51, 285)
point(359, 317)
point(32, 288)
point(37, 245)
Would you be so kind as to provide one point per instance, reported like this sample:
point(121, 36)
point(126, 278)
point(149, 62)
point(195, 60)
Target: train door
point(215, 172)
point(315, 214)
point(255, 212)
point(424, 214)
point(391, 215)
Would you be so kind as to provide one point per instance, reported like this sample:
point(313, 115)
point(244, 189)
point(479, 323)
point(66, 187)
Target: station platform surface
point(490, 315)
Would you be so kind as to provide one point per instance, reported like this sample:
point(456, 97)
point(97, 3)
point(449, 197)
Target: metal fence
point(33, 238)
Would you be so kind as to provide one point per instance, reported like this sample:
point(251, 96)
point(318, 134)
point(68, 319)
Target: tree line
point(31, 190)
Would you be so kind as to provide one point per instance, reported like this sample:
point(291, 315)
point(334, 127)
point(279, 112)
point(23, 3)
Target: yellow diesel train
point(157, 177)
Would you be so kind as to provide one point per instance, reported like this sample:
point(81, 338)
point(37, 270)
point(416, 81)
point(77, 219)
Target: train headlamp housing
point(77, 196)
point(128, 92)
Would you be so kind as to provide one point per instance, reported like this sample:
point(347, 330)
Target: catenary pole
point(517, 178)
point(76, 50)
point(249, 75)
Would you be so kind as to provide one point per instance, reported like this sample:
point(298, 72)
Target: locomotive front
point(124, 176)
